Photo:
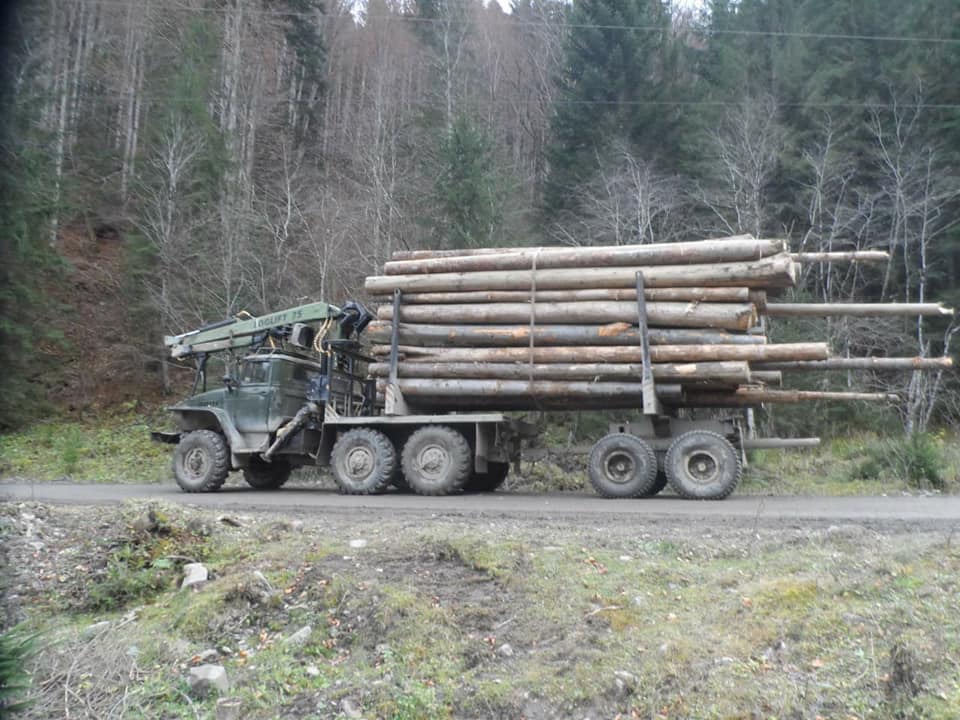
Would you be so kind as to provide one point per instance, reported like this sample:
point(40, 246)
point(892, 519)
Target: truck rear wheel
point(436, 460)
point(201, 461)
point(264, 475)
point(489, 481)
point(702, 465)
point(622, 466)
point(363, 462)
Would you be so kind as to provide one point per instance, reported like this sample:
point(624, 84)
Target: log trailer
point(296, 393)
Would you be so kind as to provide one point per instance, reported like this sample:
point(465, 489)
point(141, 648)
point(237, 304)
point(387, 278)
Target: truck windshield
point(254, 372)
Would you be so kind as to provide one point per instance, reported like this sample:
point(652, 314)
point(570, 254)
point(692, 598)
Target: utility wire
point(533, 23)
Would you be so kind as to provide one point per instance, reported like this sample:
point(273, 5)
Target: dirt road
point(939, 509)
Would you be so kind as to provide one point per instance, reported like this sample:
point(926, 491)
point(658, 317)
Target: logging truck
point(296, 392)
point(417, 395)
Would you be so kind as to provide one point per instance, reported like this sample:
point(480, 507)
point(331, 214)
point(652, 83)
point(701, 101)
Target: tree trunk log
point(731, 373)
point(867, 363)
point(854, 256)
point(682, 253)
point(746, 397)
point(427, 254)
point(595, 354)
point(774, 271)
point(724, 316)
point(692, 294)
point(854, 309)
point(545, 335)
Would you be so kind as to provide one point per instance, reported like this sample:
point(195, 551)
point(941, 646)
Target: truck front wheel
point(436, 460)
point(201, 461)
point(363, 462)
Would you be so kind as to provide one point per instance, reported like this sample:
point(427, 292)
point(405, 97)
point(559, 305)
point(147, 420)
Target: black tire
point(702, 465)
point(658, 485)
point(363, 462)
point(201, 461)
point(489, 481)
point(436, 460)
point(622, 466)
point(263, 475)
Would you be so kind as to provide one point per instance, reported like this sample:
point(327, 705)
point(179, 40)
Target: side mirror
point(230, 383)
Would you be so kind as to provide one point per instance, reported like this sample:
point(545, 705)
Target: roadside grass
point(493, 618)
point(111, 447)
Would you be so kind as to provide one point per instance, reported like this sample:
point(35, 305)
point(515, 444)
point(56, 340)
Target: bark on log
point(440, 336)
point(746, 397)
point(734, 373)
point(854, 309)
point(468, 388)
point(774, 271)
point(866, 363)
point(724, 316)
point(630, 354)
point(772, 378)
point(681, 253)
point(853, 256)
point(426, 254)
point(719, 295)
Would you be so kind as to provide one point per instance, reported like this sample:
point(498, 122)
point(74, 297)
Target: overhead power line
point(915, 39)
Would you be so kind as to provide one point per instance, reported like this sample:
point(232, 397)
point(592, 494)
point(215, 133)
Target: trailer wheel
point(622, 466)
point(201, 461)
point(363, 462)
point(436, 460)
point(702, 465)
point(489, 481)
point(263, 475)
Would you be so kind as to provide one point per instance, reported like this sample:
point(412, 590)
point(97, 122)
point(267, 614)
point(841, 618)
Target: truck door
point(291, 393)
point(249, 403)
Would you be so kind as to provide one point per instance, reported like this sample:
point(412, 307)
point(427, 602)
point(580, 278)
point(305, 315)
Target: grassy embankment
point(494, 618)
point(116, 447)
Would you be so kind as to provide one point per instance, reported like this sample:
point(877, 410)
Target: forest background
point(166, 164)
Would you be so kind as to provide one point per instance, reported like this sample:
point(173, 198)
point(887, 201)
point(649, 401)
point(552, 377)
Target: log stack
point(571, 327)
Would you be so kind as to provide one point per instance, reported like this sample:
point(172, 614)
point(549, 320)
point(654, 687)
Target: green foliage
point(917, 460)
point(469, 191)
point(16, 649)
point(27, 205)
point(130, 576)
point(108, 448)
point(617, 82)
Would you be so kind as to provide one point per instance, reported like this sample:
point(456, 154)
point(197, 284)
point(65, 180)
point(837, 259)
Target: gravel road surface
point(939, 509)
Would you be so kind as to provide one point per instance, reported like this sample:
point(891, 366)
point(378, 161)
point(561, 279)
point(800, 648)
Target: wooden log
point(680, 253)
point(629, 354)
point(852, 256)
point(726, 372)
point(426, 254)
point(863, 363)
point(772, 378)
point(547, 335)
point(667, 393)
point(724, 316)
point(459, 389)
point(716, 294)
point(770, 272)
point(751, 396)
point(854, 309)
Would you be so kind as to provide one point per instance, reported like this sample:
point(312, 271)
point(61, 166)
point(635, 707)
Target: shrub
point(916, 460)
point(16, 648)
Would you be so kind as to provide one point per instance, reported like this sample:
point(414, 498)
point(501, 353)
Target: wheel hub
point(619, 467)
point(433, 461)
point(360, 462)
point(703, 466)
point(196, 462)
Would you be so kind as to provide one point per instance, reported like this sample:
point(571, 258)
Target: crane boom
point(240, 333)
